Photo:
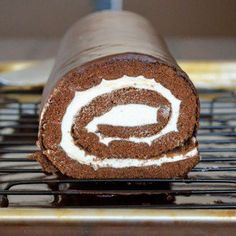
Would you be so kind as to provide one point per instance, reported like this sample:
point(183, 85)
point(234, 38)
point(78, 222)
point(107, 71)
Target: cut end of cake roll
point(129, 114)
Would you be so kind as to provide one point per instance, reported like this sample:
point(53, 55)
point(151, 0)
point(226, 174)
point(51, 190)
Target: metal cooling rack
point(210, 185)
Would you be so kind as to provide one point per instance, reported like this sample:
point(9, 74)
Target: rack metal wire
point(210, 185)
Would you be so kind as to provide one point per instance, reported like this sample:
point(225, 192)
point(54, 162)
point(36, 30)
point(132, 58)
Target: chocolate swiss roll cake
point(116, 104)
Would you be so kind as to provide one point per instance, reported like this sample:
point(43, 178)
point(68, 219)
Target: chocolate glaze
point(104, 34)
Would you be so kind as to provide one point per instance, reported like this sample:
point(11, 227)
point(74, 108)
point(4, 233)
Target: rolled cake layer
point(117, 105)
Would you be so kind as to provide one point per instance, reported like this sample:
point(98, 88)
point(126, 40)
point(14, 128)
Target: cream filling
point(117, 163)
point(83, 98)
point(128, 115)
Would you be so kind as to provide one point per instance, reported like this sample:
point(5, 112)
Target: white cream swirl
point(83, 98)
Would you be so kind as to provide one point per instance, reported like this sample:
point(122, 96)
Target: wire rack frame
point(210, 185)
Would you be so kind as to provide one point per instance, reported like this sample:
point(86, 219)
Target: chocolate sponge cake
point(116, 104)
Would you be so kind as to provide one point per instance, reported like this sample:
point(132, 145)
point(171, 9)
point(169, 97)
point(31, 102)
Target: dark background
point(194, 29)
